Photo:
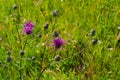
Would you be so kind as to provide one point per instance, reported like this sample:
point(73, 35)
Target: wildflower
point(28, 27)
point(57, 42)
point(79, 67)
point(27, 30)
point(29, 24)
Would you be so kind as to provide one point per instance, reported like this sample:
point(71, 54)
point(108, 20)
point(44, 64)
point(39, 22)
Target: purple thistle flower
point(28, 23)
point(79, 67)
point(57, 42)
point(27, 30)
point(28, 27)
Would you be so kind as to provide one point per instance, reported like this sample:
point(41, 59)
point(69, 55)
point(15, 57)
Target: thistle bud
point(57, 58)
point(92, 32)
point(15, 6)
point(94, 41)
point(8, 52)
point(46, 25)
point(21, 52)
point(56, 34)
point(55, 12)
point(8, 59)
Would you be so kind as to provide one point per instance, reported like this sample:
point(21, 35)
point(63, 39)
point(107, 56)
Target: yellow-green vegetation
point(59, 40)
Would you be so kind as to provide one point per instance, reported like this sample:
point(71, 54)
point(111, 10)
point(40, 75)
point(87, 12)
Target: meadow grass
point(97, 56)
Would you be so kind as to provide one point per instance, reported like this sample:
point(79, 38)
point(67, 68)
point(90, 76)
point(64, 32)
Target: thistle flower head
point(28, 24)
point(27, 30)
point(28, 27)
point(57, 42)
point(79, 67)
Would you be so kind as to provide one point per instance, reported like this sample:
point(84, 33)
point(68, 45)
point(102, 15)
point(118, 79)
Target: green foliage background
point(74, 21)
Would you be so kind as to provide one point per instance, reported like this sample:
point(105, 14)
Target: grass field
point(88, 29)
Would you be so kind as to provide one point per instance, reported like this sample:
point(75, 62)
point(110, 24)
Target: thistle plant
point(63, 43)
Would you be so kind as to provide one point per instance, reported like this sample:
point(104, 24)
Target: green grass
point(74, 21)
